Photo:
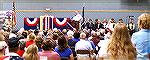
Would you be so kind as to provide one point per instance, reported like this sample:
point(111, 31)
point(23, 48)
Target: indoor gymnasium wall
point(77, 5)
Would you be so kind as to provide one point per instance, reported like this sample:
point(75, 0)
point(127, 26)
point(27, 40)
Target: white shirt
point(103, 50)
point(10, 54)
point(83, 45)
point(78, 17)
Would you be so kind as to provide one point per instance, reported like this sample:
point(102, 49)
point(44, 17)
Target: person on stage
point(120, 21)
point(104, 23)
point(111, 24)
point(131, 26)
point(90, 25)
point(76, 20)
point(98, 24)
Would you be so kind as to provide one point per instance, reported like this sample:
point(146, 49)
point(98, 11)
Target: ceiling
point(80, 1)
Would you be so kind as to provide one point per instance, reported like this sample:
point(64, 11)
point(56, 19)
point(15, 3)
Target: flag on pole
point(14, 18)
point(14, 14)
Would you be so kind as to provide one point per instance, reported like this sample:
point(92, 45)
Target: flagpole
point(83, 15)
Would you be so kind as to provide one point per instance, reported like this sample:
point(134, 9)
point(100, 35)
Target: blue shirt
point(75, 39)
point(141, 39)
point(71, 43)
point(92, 43)
point(66, 53)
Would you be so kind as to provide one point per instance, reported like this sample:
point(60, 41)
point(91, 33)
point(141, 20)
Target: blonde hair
point(31, 53)
point(31, 36)
point(144, 21)
point(120, 45)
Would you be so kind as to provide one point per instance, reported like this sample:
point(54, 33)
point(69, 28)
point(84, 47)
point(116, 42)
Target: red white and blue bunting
point(60, 21)
point(31, 22)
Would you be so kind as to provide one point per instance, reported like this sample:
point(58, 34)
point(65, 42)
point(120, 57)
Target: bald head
point(82, 35)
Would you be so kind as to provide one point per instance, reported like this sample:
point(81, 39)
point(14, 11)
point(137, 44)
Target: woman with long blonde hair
point(31, 53)
point(120, 46)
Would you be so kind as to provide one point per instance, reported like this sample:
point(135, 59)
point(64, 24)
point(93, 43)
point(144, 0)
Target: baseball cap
point(13, 42)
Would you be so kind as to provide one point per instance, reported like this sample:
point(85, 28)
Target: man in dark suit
point(98, 24)
point(90, 24)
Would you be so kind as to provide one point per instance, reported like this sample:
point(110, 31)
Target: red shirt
point(30, 42)
point(20, 52)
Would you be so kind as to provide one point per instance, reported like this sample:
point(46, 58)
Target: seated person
point(83, 44)
point(63, 49)
point(13, 44)
point(48, 51)
point(31, 53)
point(119, 47)
point(21, 50)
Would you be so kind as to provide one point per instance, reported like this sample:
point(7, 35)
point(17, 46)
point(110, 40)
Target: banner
point(46, 22)
point(61, 23)
point(31, 23)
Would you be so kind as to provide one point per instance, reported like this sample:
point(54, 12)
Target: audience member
point(31, 53)
point(54, 42)
point(47, 52)
point(21, 50)
point(31, 38)
point(83, 44)
point(71, 42)
point(25, 34)
point(13, 44)
point(119, 46)
point(3, 45)
point(55, 36)
point(38, 42)
point(141, 39)
point(36, 32)
point(63, 49)
point(76, 36)
point(13, 34)
point(64, 31)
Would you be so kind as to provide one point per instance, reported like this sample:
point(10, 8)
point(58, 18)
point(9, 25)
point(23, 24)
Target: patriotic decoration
point(61, 23)
point(46, 22)
point(31, 23)
point(14, 14)
point(6, 19)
